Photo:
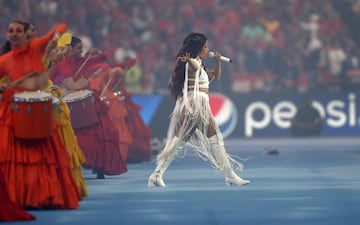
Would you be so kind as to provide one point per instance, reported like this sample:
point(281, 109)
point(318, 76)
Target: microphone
point(222, 58)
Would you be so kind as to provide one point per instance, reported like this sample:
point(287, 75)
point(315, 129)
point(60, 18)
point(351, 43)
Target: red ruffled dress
point(36, 171)
point(99, 142)
point(8, 210)
point(140, 149)
point(117, 111)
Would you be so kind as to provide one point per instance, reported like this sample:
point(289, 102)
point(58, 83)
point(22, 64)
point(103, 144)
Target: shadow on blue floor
point(293, 181)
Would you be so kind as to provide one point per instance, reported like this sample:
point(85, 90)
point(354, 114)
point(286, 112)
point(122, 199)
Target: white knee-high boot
point(164, 160)
point(223, 163)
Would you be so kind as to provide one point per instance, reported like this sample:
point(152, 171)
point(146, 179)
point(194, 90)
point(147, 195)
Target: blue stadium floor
point(309, 181)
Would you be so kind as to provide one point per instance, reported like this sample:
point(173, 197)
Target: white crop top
point(203, 77)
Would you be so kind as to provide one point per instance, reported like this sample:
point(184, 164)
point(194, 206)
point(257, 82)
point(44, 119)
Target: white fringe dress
point(190, 120)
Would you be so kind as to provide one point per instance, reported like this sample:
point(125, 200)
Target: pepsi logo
point(225, 113)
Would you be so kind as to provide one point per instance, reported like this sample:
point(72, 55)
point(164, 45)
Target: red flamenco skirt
point(8, 210)
point(140, 148)
point(36, 171)
point(118, 114)
point(100, 143)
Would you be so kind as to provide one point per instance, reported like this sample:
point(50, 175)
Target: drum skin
point(82, 109)
point(33, 117)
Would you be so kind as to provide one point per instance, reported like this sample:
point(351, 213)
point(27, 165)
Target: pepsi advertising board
point(268, 116)
point(225, 113)
point(262, 114)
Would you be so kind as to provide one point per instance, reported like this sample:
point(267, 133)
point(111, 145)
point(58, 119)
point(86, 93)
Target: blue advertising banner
point(269, 116)
point(155, 111)
point(262, 114)
point(149, 104)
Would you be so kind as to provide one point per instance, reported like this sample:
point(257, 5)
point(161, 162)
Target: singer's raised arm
point(216, 73)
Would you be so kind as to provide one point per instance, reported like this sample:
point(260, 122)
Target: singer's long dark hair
point(193, 44)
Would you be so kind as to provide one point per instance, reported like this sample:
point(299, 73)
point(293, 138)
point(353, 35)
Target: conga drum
point(32, 111)
point(82, 108)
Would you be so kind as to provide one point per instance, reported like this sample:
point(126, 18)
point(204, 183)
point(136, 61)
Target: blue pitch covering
point(293, 181)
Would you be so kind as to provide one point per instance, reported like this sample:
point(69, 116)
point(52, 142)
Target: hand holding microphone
point(222, 58)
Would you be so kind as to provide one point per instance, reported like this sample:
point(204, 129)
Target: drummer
point(31, 166)
point(62, 112)
point(100, 141)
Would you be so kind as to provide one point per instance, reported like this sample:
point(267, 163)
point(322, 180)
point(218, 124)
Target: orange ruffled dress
point(36, 171)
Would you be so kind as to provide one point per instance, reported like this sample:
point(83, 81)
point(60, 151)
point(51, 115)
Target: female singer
point(192, 121)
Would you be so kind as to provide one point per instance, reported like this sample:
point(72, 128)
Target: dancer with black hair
point(37, 170)
point(100, 139)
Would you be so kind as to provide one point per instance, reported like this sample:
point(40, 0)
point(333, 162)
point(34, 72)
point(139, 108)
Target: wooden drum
point(32, 111)
point(82, 108)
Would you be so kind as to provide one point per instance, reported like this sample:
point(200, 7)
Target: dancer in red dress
point(100, 141)
point(62, 114)
point(122, 107)
point(8, 210)
point(140, 148)
point(118, 113)
point(36, 171)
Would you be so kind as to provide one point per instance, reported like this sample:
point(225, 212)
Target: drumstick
point(82, 65)
point(13, 84)
point(126, 66)
point(106, 86)
point(119, 81)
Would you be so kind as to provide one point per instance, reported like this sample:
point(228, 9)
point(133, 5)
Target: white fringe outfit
point(189, 124)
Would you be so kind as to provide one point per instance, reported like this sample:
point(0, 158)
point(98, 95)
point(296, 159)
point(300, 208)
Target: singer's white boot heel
point(156, 179)
point(163, 162)
point(221, 157)
point(232, 179)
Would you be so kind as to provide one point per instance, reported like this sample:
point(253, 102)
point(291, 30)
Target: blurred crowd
point(275, 45)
